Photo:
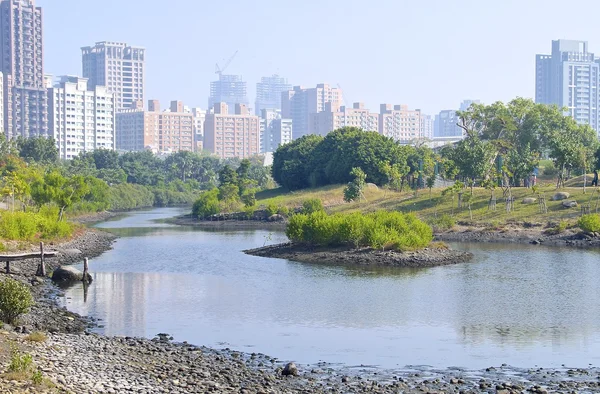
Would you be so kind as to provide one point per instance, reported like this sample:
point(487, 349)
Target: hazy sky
point(429, 54)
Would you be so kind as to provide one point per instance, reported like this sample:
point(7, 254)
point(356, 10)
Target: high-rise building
point(399, 123)
point(21, 45)
point(446, 122)
point(119, 67)
point(569, 78)
point(165, 132)
point(274, 130)
point(199, 118)
point(332, 118)
point(298, 104)
point(229, 89)
point(427, 125)
point(268, 93)
point(81, 120)
point(231, 135)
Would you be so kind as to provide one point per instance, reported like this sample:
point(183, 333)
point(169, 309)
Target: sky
point(428, 54)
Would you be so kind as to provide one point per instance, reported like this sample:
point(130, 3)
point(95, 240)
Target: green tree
point(354, 189)
point(55, 188)
point(291, 162)
point(207, 204)
point(38, 149)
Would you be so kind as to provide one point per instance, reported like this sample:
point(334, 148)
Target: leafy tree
point(228, 176)
point(290, 162)
point(38, 149)
point(354, 190)
point(55, 188)
point(207, 204)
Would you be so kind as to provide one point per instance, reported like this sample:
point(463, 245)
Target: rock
point(68, 274)
point(72, 252)
point(276, 218)
point(372, 186)
point(529, 200)
point(560, 196)
point(569, 204)
point(290, 369)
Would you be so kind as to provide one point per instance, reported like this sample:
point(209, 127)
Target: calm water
point(519, 305)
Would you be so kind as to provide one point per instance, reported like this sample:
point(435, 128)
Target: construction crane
point(220, 70)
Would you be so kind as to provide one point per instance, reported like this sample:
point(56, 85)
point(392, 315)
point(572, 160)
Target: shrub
point(15, 300)
point(272, 209)
point(249, 198)
point(37, 378)
point(20, 362)
point(379, 230)
point(443, 222)
point(590, 223)
point(312, 205)
point(283, 210)
point(207, 204)
point(550, 169)
point(26, 226)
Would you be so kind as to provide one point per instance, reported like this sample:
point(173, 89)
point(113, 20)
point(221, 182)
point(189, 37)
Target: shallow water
point(514, 304)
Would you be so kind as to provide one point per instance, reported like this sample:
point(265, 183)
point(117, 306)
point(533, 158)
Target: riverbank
point(519, 234)
point(88, 363)
point(428, 257)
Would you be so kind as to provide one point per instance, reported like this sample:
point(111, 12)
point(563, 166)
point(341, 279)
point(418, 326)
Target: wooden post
point(42, 268)
point(85, 270)
point(8, 266)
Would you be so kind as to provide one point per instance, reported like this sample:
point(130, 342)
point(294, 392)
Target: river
point(515, 304)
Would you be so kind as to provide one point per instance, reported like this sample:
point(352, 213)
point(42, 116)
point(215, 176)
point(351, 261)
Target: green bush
point(312, 205)
point(15, 300)
point(272, 209)
point(20, 362)
point(550, 169)
point(207, 204)
point(442, 222)
point(378, 230)
point(283, 210)
point(590, 223)
point(27, 226)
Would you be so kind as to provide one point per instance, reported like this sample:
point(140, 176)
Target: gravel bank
point(535, 236)
point(89, 363)
point(428, 257)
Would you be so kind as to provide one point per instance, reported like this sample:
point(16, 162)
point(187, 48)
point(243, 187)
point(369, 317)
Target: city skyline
point(431, 73)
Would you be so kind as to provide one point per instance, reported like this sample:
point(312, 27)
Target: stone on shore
point(276, 218)
point(69, 274)
point(560, 196)
point(529, 200)
point(290, 369)
point(569, 204)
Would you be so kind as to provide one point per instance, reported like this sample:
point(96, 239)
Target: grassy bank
point(431, 205)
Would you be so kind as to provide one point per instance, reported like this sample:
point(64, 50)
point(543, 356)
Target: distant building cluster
point(104, 108)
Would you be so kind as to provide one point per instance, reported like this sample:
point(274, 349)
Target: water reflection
point(515, 304)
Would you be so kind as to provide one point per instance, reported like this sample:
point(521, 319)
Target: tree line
point(503, 145)
point(32, 176)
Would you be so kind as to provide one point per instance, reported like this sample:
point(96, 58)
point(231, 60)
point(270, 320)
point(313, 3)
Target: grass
point(430, 207)
point(36, 336)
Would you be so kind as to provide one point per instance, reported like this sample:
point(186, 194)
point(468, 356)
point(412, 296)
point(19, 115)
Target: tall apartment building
point(268, 93)
point(427, 126)
point(569, 78)
point(119, 67)
point(274, 130)
point(229, 89)
point(81, 120)
point(446, 122)
point(299, 103)
point(399, 123)
point(332, 118)
point(165, 132)
point(231, 135)
point(21, 46)
point(199, 116)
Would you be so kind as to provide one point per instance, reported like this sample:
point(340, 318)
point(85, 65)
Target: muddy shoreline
point(78, 361)
point(520, 235)
point(428, 257)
